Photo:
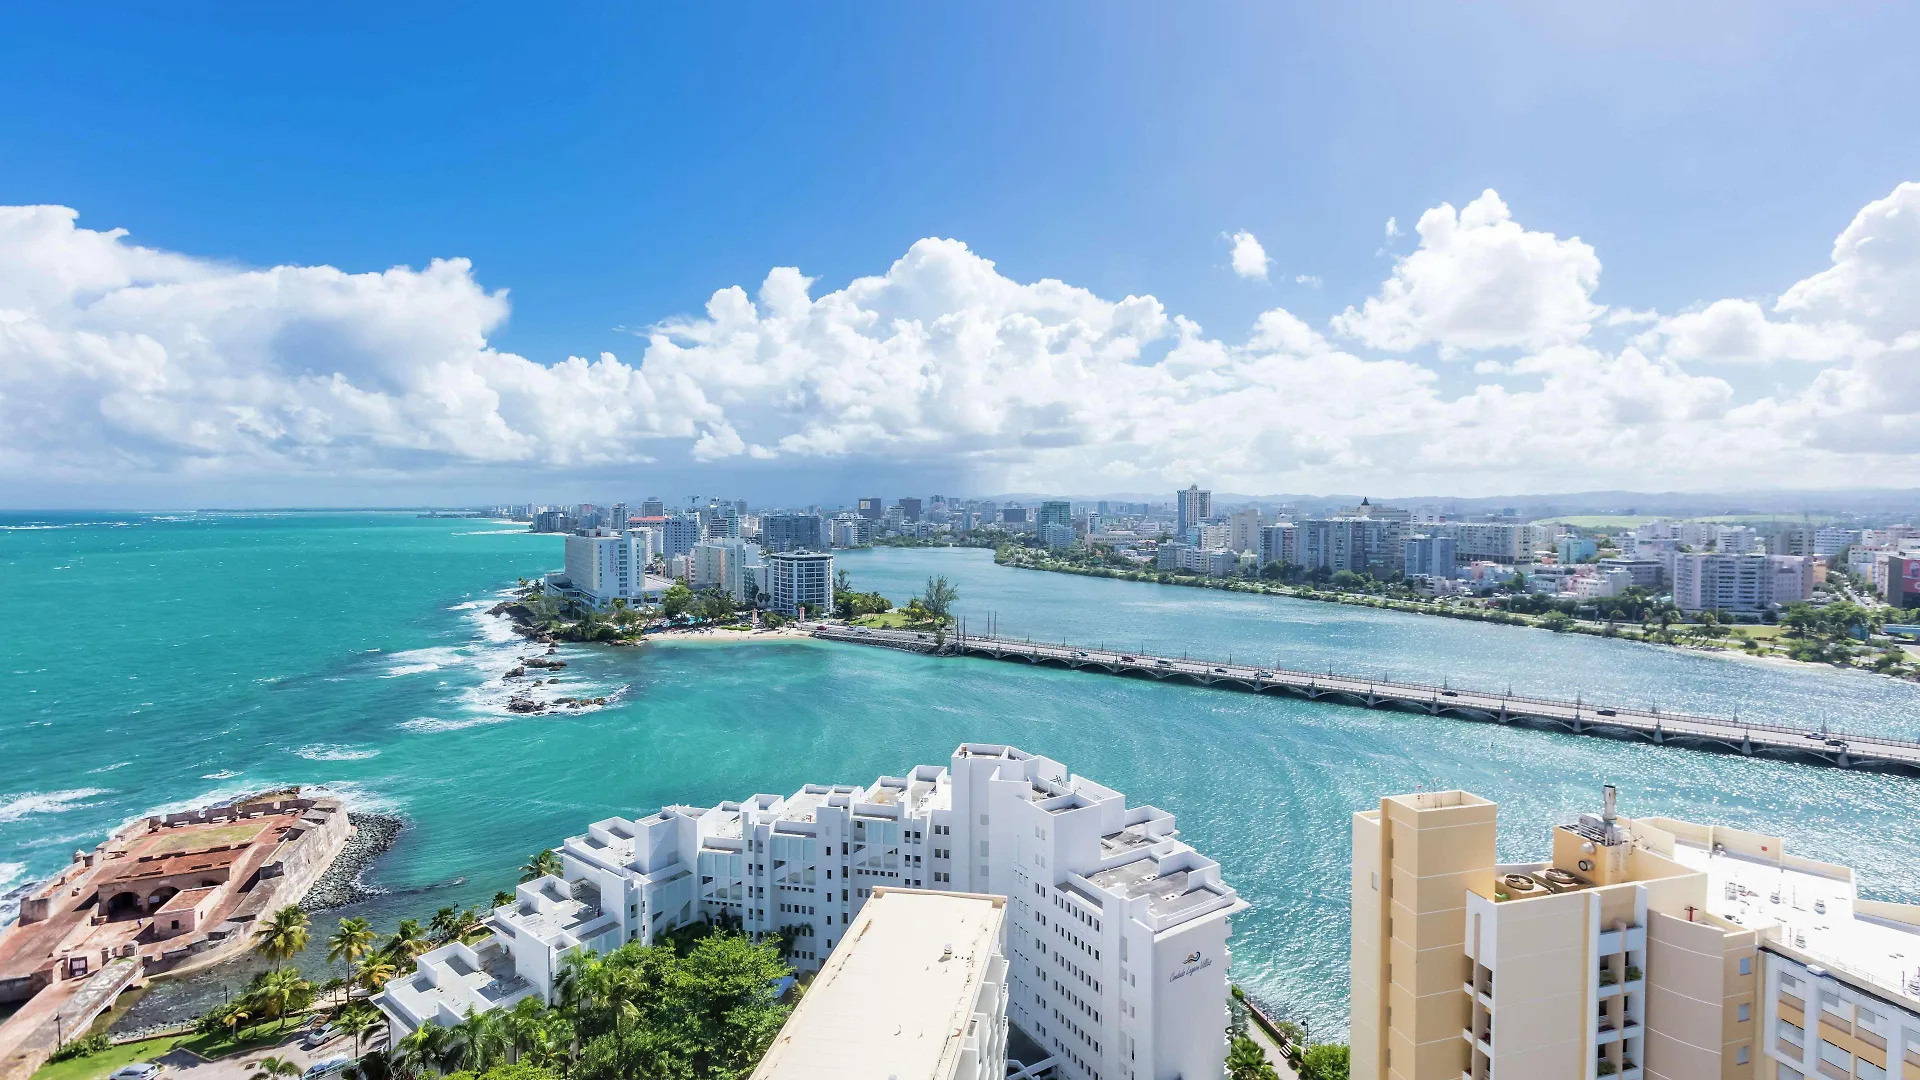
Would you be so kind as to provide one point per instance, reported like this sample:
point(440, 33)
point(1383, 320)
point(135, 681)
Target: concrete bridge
point(1842, 749)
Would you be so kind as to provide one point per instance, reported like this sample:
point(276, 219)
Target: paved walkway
point(1274, 1057)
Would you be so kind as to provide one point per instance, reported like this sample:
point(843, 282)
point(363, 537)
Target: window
point(1867, 1070)
point(1833, 1055)
point(1746, 965)
point(1376, 881)
point(1746, 1012)
point(1740, 1056)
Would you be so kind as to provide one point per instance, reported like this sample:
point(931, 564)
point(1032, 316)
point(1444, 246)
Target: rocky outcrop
point(372, 835)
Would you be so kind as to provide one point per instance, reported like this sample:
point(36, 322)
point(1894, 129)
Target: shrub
point(79, 1048)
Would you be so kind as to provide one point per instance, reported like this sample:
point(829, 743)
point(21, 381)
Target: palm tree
point(426, 1050)
point(352, 940)
point(374, 972)
point(545, 864)
point(477, 1042)
point(280, 993)
point(356, 1020)
point(284, 934)
point(272, 1068)
point(407, 942)
point(502, 899)
point(445, 925)
point(1246, 1061)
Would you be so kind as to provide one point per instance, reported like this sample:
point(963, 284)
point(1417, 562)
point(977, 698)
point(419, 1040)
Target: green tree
point(939, 596)
point(351, 940)
point(284, 934)
point(676, 601)
point(501, 899)
point(445, 925)
point(1557, 621)
point(374, 971)
point(715, 604)
point(1246, 1061)
point(545, 864)
point(1325, 1061)
point(429, 1049)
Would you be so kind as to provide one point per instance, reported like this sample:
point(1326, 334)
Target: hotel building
point(1116, 930)
point(1640, 949)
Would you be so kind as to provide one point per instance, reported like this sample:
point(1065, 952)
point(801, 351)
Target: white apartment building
point(1747, 583)
point(800, 580)
point(1280, 543)
point(1497, 543)
point(732, 565)
point(605, 566)
point(916, 990)
point(1116, 929)
point(1833, 539)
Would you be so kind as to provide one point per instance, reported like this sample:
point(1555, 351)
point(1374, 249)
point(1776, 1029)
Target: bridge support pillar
point(1659, 736)
point(1578, 727)
point(1371, 700)
point(1845, 762)
point(1504, 718)
point(1746, 745)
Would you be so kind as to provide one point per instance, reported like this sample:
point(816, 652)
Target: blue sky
point(614, 168)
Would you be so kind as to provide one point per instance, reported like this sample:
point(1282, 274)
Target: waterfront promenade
point(1836, 748)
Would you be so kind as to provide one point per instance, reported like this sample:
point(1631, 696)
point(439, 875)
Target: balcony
point(1483, 997)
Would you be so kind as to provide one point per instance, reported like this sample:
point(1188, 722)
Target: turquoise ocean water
point(154, 660)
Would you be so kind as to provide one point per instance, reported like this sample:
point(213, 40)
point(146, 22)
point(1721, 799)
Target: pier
point(1844, 750)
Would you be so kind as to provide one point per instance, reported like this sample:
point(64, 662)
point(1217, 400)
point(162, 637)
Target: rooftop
point(1175, 894)
point(1816, 914)
point(897, 997)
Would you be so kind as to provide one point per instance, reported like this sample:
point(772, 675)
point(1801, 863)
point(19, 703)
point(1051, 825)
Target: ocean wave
point(11, 872)
point(497, 532)
point(469, 605)
point(358, 797)
point(327, 752)
point(418, 661)
point(110, 768)
point(38, 526)
point(434, 723)
point(15, 807)
point(223, 774)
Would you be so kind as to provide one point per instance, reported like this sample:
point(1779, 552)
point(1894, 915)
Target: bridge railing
point(1150, 662)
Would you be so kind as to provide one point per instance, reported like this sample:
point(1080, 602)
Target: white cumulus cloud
point(118, 360)
point(1479, 280)
point(1249, 258)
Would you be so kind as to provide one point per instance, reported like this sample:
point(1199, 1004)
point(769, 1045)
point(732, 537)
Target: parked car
point(1164, 663)
point(326, 1066)
point(318, 1036)
point(1605, 712)
point(1219, 671)
point(141, 1070)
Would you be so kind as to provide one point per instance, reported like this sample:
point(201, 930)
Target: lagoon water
point(153, 660)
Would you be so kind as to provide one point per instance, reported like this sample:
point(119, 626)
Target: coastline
point(1502, 618)
point(727, 635)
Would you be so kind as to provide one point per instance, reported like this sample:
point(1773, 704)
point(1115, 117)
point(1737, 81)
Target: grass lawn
point(195, 839)
point(886, 620)
point(104, 1063)
point(252, 1037)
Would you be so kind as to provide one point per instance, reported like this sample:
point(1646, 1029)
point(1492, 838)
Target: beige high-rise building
point(1641, 949)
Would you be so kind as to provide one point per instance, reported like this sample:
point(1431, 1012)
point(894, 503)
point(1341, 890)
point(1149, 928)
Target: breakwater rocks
point(372, 835)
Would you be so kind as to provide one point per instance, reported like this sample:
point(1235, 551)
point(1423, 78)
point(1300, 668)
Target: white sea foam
point(11, 872)
point(115, 765)
point(37, 526)
point(469, 605)
point(328, 752)
point(434, 723)
point(417, 661)
point(223, 774)
point(497, 532)
point(15, 807)
point(356, 795)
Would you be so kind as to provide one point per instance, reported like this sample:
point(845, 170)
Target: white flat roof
point(1816, 913)
point(886, 1003)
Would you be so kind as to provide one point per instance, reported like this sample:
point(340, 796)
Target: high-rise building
point(1280, 544)
point(1651, 948)
point(1055, 512)
point(617, 521)
point(1018, 516)
point(800, 581)
point(1116, 929)
point(652, 507)
point(1362, 545)
point(1431, 556)
point(1192, 507)
point(1243, 529)
point(791, 532)
point(910, 509)
point(679, 533)
point(1743, 584)
point(605, 566)
point(873, 509)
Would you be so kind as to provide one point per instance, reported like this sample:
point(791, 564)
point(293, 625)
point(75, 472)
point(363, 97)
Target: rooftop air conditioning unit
point(1519, 885)
point(1559, 880)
